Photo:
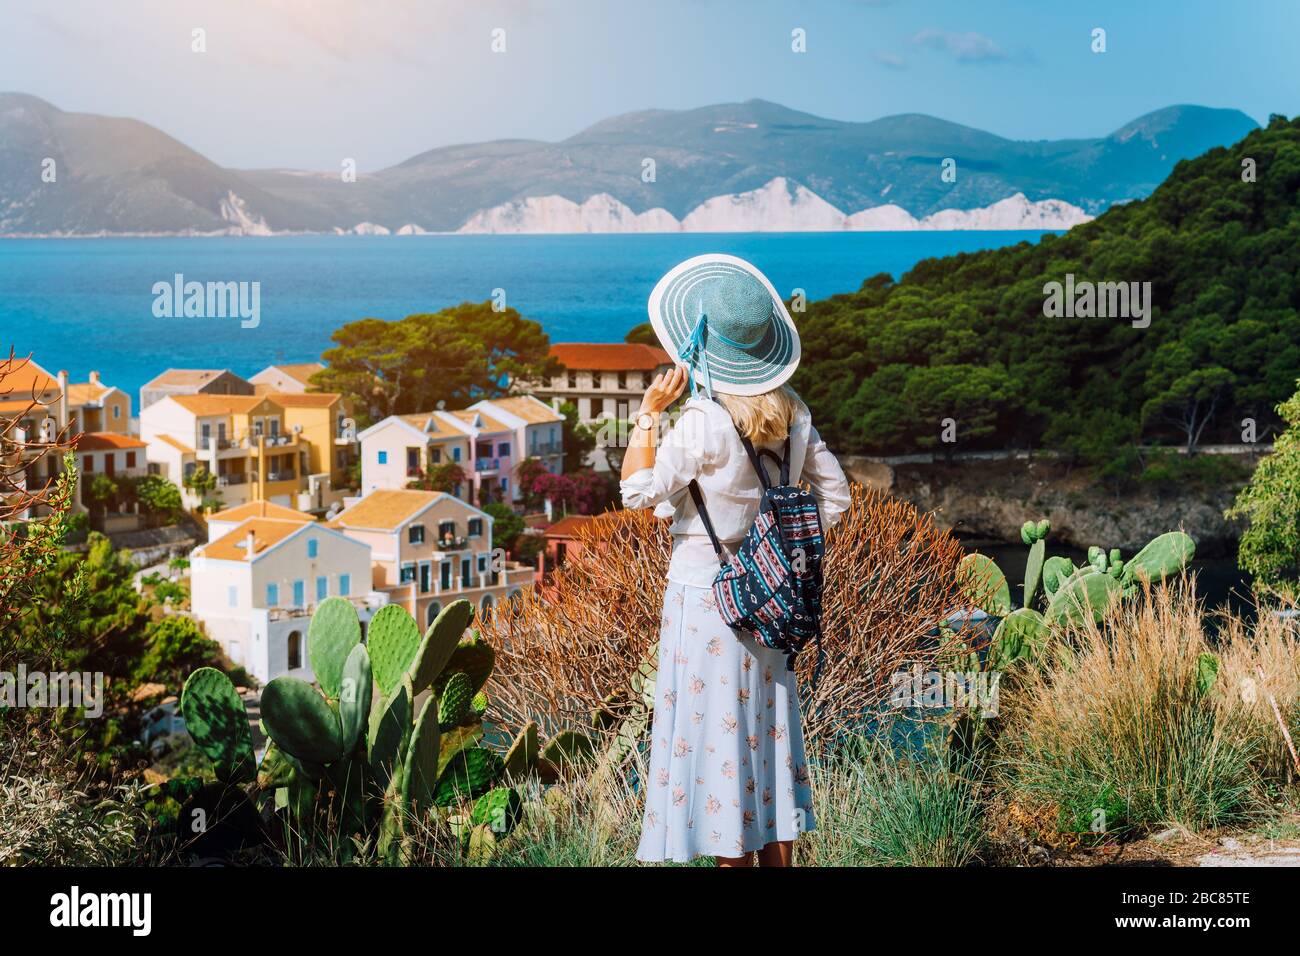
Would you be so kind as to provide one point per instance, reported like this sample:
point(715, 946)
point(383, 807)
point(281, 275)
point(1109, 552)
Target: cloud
point(894, 61)
point(963, 47)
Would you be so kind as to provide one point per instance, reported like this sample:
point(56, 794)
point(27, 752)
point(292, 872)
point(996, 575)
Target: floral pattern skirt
point(727, 768)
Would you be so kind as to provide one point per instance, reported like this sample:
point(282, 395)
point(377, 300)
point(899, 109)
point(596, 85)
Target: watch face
point(645, 420)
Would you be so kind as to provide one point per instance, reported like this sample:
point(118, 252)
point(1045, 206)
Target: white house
point(256, 586)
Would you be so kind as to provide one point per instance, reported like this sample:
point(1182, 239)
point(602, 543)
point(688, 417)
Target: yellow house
point(323, 421)
point(243, 440)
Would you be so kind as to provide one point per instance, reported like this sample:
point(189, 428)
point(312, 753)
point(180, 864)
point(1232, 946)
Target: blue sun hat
point(721, 318)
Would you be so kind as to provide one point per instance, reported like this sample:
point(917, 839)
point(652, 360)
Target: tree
point(506, 525)
point(579, 440)
point(159, 498)
point(446, 477)
point(456, 356)
point(526, 474)
point(175, 646)
point(643, 334)
point(1270, 547)
point(102, 491)
point(201, 481)
point(1189, 401)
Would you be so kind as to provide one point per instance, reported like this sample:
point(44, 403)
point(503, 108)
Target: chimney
point(250, 546)
point(94, 378)
point(62, 414)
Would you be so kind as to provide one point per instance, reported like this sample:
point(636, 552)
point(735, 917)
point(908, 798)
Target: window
point(415, 534)
point(435, 456)
point(130, 459)
point(273, 595)
point(505, 485)
point(444, 575)
point(595, 380)
point(503, 450)
point(476, 527)
point(313, 547)
point(295, 650)
point(232, 595)
point(205, 431)
point(455, 453)
point(189, 468)
point(482, 563)
point(466, 577)
point(573, 380)
point(486, 604)
point(426, 577)
point(299, 593)
point(89, 464)
point(446, 530)
point(412, 459)
point(117, 411)
point(275, 427)
point(345, 585)
point(322, 588)
point(383, 457)
point(407, 573)
point(622, 379)
point(645, 379)
point(432, 614)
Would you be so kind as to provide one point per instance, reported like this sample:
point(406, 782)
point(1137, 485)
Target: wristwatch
point(647, 421)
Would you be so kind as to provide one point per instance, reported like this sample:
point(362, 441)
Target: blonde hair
point(763, 418)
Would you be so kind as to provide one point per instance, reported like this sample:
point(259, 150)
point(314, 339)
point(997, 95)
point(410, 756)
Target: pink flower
point(712, 805)
point(729, 724)
point(681, 748)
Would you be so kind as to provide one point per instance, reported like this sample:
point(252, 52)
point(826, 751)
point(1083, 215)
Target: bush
point(1115, 732)
point(1270, 547)
point(890, 575)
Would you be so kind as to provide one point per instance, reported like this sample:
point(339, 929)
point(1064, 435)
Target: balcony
point(231, 478)
point(547, 448)
point(288, 475)
point(372, 601)
point(487, 464)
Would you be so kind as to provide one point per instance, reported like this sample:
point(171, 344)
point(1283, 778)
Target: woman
point(728, 776)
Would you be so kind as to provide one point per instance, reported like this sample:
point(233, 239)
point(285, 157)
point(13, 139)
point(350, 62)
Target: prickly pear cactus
point(470, 773)
point(334, 631)
point(985, 584)
point(472, 657)
point(524, 752)
point(439, 645)
point(393, 640)
point(301, 723)
point(455, 701)
point(1021, 635)
point(1163, 556)
point(1087, 594)
point(501, 809)
point(216, 719)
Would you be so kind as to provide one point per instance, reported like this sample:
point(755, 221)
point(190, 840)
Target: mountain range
point(744, 166)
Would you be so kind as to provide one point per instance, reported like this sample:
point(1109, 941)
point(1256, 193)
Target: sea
point(83, 304)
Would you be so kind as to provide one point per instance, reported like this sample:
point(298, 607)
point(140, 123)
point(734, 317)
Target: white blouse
point(704, 445)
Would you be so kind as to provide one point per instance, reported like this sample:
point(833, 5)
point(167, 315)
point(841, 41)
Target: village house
point(603, 379)
point(323, 421)
point(193, 381)
point(256, 587)
point(295, 378)
point(487, 441)
point(430, 548)
point(221, 523)
point(242, 440)
point(115, 456)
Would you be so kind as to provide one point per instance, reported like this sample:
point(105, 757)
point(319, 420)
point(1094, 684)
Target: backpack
point(773, 584)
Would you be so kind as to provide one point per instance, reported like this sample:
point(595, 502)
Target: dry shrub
point(1115, 721)
point(1270, 644)
point(890, 576)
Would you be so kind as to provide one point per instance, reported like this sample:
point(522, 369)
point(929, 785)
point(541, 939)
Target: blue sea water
point(82, 304)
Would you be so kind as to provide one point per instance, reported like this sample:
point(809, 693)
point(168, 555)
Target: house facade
point(256, 587)
point(538, 430)
point(323, 421)
point(243, 440)
point(603, 379)
point(193, 381)
point(96, 407)
point(291, 379)
point(403, 448)
point(114, 455)
point(431, 548)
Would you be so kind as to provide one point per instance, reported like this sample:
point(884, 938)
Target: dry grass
point(890, 574)
point(1114, 730)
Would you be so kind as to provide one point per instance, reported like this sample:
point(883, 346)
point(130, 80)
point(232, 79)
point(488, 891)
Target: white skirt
point(727, 768)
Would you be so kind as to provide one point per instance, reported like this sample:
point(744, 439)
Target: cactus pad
point(435, 650)
point(472, 657)
point(523, 753)
point(1033, 571)
point(355, 692)
point(216, 719)
point(1020, 635)
point(421, 772)
point(333, 632)
point(300, 721)
point(470, 773)
point(454, 701)
point(1087, 593)
point(390, 722)
point(501, 809)
point(394, 639)
point(1164, 555)
point(985, 584)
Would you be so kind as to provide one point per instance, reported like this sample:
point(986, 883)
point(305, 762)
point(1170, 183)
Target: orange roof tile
point(385, 509)
point(436, 426)
point(21, 377)
point(179, 446)
point(567, 527)
point(488, 423)
point(304, 399)
point(302, 371)
point(104, 441)
point(266, 532)
point(204, 404)
point(186, 377)
point(261, 509)
point(610, 356)
point(83, 393)
point(528, 408)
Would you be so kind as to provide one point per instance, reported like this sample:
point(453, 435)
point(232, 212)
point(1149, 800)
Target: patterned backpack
point(773, 584)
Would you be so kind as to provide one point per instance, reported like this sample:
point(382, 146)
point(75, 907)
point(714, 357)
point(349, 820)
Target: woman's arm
point(663, 391)
point(826, 479)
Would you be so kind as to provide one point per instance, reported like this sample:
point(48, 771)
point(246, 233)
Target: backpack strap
point(698, 497)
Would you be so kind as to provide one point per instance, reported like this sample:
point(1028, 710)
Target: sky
point(301, 83)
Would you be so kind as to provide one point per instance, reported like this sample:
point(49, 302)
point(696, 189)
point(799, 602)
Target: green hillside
point(966, 337)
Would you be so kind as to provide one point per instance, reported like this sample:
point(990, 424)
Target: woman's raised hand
point(664, 390)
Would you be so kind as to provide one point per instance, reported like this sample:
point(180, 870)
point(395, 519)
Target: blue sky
point(301, 83)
